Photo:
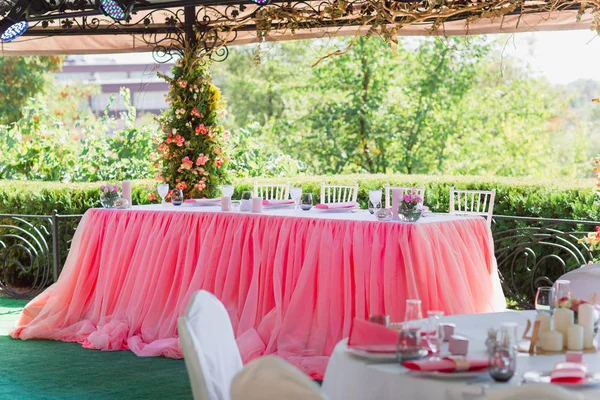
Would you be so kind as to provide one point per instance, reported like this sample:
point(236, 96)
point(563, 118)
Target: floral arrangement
point(592, 240)
point(190, 151)
point(596, 169)
point(410, 202)
point(573, 303)
point(109, 194)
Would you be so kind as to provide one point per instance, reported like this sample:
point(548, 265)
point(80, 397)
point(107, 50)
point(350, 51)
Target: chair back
point(271, 378)
point(272, 191)
point(585, 282)
point(419, 191)
point(473, 202)
point(210, 351)
point(338, 193)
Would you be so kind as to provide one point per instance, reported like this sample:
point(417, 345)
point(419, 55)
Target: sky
point(562, 57)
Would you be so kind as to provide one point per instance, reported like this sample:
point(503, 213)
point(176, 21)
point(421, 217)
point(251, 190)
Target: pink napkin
point(277, 202)
point(330, 206)
point(568, 373)
point(367, 336)
point(201, 201)
point(448, 364)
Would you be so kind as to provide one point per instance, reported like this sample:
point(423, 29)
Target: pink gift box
point(459, 345)
point(575, 356)
point(448, 330)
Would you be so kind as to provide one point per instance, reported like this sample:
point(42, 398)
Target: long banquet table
point(292, 281)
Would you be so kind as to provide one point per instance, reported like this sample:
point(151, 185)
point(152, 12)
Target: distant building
point(111, 73)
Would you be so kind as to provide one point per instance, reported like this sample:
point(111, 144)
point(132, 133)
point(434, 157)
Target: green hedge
point(557, 198)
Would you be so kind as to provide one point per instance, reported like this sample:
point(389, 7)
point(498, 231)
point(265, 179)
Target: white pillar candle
point(585, 318)
point(545, 322)
point(257, 204)
point(225, 203)
point(575, 337)
point(551, 341)
point(126, 191)
point(563, 319)
point(396, 197)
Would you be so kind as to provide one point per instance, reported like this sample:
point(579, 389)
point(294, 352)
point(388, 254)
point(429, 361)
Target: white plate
point(544, 377)
point(451, 375)
point(202, 204)
point(332, 210)
point(378, 357)
point(273, 206)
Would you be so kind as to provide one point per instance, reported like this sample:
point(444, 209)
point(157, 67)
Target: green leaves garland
point(190, 152)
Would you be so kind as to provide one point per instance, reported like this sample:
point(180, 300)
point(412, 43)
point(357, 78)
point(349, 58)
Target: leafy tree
point(23, 78)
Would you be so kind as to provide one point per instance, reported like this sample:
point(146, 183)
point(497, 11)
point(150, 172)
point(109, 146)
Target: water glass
point(246, 202)
point(434, 333)
point(503, 361)
point(409, 344)
point(413, 311)
point(177, 197)
point(544, 299)
point(562, 290)
point(306, 201)
point(163, 191)
point(296, 193)
point(227, 190)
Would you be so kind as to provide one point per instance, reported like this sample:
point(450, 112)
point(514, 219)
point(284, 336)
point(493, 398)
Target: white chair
point(585, 282)
point(419, 191)
point(269, 191)
point(211, 354)
point(271, 378)
point(473, 202)
point(534, 392)
point(338, 193)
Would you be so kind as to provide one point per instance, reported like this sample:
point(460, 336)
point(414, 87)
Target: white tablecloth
point(351, 378)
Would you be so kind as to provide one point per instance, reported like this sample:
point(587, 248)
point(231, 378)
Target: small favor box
point(575, 356)
point(448, 330)
point(458, 346)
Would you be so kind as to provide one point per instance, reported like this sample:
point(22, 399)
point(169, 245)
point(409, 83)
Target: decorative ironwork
point(32, 251)
point(533, 252)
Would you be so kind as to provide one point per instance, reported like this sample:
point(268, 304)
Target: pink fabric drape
point(291, 286)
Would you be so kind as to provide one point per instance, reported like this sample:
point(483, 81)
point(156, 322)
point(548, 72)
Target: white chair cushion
point(211, 354)
point(585, 281)
point(271, 378)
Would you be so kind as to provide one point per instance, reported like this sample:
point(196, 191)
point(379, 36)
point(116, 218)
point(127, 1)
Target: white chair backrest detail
point(473, 202)
point(272, 191)
point(420, 191)
point(338, 193)
point(211, 355)
point(271, 378)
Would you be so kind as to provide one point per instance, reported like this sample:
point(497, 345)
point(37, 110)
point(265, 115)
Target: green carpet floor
point(49, 370)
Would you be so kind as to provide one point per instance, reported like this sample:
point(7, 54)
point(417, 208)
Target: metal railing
point(530, 252)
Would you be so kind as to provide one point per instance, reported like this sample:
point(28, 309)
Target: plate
point(378, 357)
point(200, 203)
point(451, 375)
point(544, 377)
point(273, 206)
point(333, 210)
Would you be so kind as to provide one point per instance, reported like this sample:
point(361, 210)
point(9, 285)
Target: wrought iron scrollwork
point(534, 252)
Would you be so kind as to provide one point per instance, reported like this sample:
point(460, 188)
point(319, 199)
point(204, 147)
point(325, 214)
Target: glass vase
point(177, 197)
point(107, 199)
point(409, 215)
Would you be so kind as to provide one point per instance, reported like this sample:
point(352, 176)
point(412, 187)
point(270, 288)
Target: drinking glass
point(562, 290)
point(163, 191)
point(503, 361)
point(246, 203)
point(544, 299)
point(434, 332)
point(374, 200)
point(409, 344)
point(413, 312)
point(227, 190)
point(296, 193)
point(306, 201)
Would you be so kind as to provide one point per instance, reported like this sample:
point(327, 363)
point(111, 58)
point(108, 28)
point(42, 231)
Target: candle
point(575, 337)
point(585, 318)
point(257, 204)
point(551, 341)
point(245, 205)
point(225, 203)
point(126, 191)
point(396, 195)
point(545, 322)
point(563, 319)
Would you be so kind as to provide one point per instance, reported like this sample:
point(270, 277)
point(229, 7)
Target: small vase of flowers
point(108, 195)
point(410, 207)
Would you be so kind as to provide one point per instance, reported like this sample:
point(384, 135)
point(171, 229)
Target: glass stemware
point(412, 312)
point(306, 201)
point(374, 200)
point(163, 191)
point(296, 193)
point(434, 333)
point(562, 291)
point(544, 299)
point(227, 190)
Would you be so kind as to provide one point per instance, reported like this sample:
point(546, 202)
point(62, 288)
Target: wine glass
point(413, 312)
point(246, 203)
point(562, 291)
point(163, 191)
point(544, 299)
point(227, 190)
point(434, 333)
point(374, 200)
point(296, 193)
point(306, 201)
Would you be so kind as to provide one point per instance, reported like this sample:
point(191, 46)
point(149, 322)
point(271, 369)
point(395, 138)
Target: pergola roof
point(163, 26)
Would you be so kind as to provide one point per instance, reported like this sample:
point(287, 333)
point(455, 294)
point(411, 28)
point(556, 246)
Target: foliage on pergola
point(164, 26)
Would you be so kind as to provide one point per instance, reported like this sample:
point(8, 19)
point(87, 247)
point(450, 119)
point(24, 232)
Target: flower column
point(190, 149)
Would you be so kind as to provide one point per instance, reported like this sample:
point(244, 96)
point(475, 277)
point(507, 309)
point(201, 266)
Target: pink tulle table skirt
point(291, 285)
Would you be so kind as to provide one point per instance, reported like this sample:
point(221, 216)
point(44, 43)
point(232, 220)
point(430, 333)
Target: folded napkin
point(568, 373)
point(448, 364)
point(277, 202)
point(330, 206)
point(368, 336)
point(201, 201)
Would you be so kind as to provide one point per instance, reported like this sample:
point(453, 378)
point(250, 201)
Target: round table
point(351, 378)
